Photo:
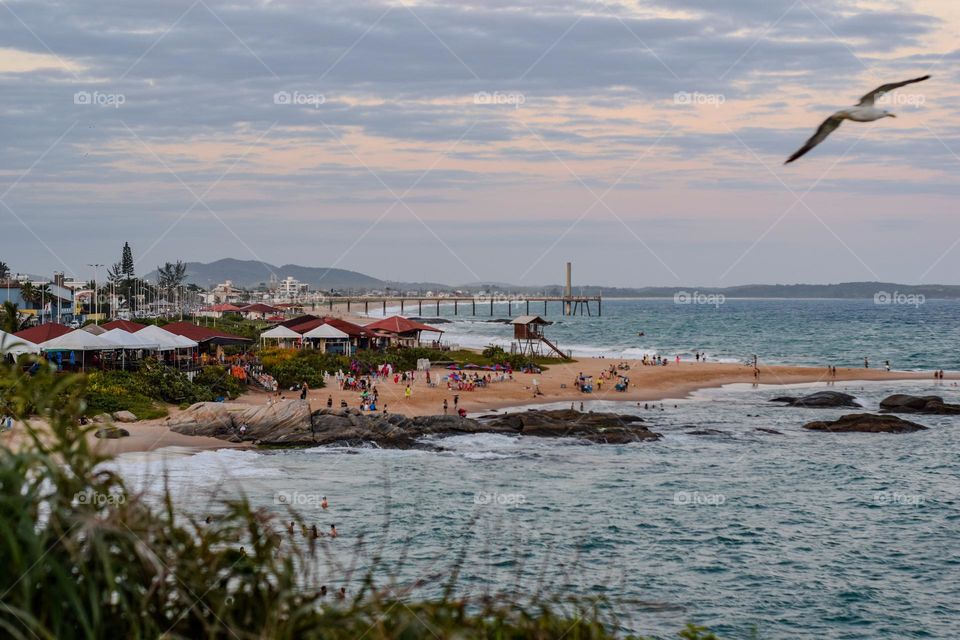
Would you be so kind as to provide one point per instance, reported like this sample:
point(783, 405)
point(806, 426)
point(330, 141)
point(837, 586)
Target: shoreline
point(647, 384)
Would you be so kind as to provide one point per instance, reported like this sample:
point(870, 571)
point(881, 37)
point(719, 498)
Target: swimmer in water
point(323, 590)
point(291, 528)
point(323, 503)
point(342, 593)
point(314, 533)
point(333, 531)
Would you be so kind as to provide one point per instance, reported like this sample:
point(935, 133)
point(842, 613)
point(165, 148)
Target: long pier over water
point(475, 305)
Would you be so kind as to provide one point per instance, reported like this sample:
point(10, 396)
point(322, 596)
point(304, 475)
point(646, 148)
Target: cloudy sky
point(482, 141)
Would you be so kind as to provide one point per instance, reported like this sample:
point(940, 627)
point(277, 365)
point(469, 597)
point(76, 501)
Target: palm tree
point(29, 293)
point(4, 271)
point(10, 317)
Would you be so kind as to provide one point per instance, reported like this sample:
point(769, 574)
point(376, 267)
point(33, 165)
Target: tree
point(10, 318)
point(29, 293)
point(126, 262)
point(4, 270)
point(171, 275)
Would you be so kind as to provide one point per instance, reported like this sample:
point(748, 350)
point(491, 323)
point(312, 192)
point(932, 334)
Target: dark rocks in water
point(707, 432)
point(111, 433)
point(432, 320)
point(866, 423)
point(604, 428)
point(903, 403)
point(766, 430)
point(290, 423)
point(500, 321)
point(820, 399)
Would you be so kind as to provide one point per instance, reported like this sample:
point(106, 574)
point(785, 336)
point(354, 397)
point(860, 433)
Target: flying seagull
point(865, 111)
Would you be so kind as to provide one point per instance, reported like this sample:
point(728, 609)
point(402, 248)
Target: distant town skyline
point(472, 142)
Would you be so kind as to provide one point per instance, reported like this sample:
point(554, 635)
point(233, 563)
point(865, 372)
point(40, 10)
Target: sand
point(557, 384)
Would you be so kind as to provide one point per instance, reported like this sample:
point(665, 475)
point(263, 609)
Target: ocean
point(738, 519)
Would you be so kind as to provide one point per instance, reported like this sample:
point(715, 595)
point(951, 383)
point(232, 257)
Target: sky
point(488, 141)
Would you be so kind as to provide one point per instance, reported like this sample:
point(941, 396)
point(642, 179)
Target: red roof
point(260, 308)
point(202, 334)
point(292, 322)
point(349, 328)
point(126, 325)
point(220, 308)
point(43, 332)
point(400, 325)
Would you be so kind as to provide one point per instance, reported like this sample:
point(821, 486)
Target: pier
point(468, 306)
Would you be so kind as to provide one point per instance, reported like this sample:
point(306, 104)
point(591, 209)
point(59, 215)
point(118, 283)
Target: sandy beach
point(556, 384)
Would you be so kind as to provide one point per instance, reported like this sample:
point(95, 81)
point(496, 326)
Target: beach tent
point(16, 347)
point(77, 341)
point(126, 340)
point(164, 340)
point(282, 334)
point(328, 336)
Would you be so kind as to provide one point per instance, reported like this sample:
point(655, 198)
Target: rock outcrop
point(124, 416)
point(111, 433)
point(903, 403)
point(290, 423)
point(866, 423)
point(820, 399)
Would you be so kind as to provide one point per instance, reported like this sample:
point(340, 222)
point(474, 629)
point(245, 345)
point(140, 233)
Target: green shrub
point(218, 381)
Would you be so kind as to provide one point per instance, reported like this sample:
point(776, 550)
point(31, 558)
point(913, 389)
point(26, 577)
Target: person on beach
point(444, 406)
point(407, 392)
point(329, 402)
point(303, 390)
point(456, 400)
point(462, 412)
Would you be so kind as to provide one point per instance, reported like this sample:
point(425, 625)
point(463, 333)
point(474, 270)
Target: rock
point(820, 399)
point(903, 403)
point(103, 417)
point(290, 424)
point(607, 428)
point(866, 423)
point(111, 433)
point(772, 431)
point(707, 432)
point(124, 416)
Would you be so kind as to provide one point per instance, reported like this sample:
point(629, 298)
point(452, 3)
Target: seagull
point(865, 111)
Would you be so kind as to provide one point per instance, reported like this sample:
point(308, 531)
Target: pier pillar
point(474, 306)
point(401, 306)
point(491, 307)
point(509, 308)
point(348, 305)
point(366, 307)
point(420, 307)
point(455, 306)
point(384, 308)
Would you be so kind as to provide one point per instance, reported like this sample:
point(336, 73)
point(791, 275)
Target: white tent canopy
point(326, 332)
point(164, 340)
point(280, 332)
point(127, 340)
point(15, 346)
point(77, 340)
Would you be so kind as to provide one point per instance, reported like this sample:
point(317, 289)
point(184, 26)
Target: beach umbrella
point(453, 366)
point(472, 366)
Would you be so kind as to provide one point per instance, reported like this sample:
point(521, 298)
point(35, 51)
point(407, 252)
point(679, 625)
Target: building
point(289, 290)
point(397, 331)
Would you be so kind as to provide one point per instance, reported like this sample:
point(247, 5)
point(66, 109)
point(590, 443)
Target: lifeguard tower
point(528, 337)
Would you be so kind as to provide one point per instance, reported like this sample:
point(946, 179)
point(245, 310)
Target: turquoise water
point(796, 535)
point(815, 332)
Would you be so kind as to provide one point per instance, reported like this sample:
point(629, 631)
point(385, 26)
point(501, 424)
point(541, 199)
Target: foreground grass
point(85, 558)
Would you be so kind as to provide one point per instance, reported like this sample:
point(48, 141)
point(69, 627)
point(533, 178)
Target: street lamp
point(96, 294)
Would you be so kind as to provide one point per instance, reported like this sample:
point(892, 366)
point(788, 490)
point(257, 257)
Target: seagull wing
point(868, 99)
point(826, 128)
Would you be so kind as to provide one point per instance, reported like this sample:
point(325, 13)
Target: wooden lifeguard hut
point(528, 337)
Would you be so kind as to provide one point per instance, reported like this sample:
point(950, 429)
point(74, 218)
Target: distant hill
point(251, 273)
